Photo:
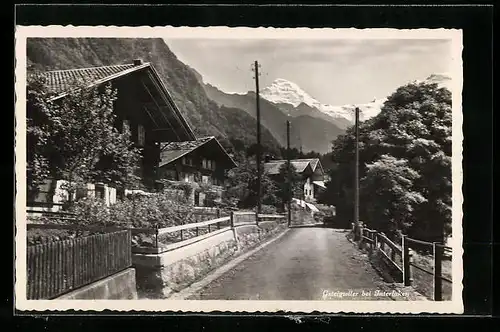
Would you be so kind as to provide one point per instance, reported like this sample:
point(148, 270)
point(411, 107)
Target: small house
point(311, 171)
point(199, 162)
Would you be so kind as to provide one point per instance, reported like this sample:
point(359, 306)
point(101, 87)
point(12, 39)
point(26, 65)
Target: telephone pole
point(356, 171)
point(259, 176)
point(289, 173)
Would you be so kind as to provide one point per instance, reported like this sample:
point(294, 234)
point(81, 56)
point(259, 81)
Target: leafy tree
point(390, 180)
point(74, 138)
point(289, 184)
point(242, 186)
point(405, 164)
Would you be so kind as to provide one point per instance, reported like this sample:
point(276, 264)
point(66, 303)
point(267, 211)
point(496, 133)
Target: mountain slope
point(205, 116)
point(309, 132)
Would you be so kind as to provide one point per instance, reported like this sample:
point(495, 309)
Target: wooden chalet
point(202, 160)
point(311, 171)
point(143, 104)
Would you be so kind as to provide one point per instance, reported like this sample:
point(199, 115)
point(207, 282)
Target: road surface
point(304, 264)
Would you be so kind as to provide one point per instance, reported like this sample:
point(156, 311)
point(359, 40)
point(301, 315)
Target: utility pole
point(259, 176)
point(289, 173)
point(356, 172)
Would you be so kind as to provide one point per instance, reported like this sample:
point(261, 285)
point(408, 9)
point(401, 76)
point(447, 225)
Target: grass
point(424, 282)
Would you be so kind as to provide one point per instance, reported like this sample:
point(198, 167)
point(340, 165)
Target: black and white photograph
point(238, 169)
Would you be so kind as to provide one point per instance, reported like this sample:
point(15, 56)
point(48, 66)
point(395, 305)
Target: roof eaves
point(171, 101)
point(106, 79)
point(187, 150)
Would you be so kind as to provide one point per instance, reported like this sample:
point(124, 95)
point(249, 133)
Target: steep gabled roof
point(301, 165)
point(61, 81)
point(172, 151)
point(273, 167)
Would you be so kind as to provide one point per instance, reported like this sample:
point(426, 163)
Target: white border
point(454, 306)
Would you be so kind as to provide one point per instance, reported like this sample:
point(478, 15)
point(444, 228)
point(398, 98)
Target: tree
point(74, 138)
point(405, 155)
point(242, 189)
point(390, 180)
point(288, 183)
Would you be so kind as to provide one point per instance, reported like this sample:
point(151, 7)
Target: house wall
point(308, 189)
point(179, 170)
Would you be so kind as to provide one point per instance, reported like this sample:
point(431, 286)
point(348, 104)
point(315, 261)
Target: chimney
point(137, 62)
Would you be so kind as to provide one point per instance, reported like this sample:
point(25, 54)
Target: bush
point(137, 211)
point(269, 209)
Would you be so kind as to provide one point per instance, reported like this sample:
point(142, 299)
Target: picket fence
point(58, 267)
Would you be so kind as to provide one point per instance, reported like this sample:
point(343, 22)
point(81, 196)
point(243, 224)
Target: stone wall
point(160, 275)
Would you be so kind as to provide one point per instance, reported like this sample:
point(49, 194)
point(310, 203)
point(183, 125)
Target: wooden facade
point(143, 105)
point(203, 161)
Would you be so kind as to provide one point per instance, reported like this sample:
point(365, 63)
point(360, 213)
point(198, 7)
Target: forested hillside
point(204, 115)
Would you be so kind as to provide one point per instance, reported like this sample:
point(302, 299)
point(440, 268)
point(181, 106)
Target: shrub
point(269, 209)
point(136, 211)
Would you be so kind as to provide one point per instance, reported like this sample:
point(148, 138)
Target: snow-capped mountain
point(283, 92)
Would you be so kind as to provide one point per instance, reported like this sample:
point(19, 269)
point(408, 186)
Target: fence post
point(218, 213)
point(360, 231)
point(256, 218)
point(438, 282)
point(406, 261)
point(231, 219)
point(375, 240)
point(156, 235)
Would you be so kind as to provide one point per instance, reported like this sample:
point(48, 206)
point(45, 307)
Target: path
point(305, 264)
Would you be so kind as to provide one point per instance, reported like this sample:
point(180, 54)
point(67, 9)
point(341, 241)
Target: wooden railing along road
point(401, 257)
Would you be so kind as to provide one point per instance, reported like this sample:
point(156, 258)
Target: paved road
point(304, 264)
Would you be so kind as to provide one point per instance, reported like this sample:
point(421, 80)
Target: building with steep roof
point(311, 171)
point(202, 160)
point(143, 104)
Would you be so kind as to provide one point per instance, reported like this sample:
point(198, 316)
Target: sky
point(334, 71)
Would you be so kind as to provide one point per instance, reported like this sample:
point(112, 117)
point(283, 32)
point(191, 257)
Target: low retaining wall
point(161, 274)
point(120, 286)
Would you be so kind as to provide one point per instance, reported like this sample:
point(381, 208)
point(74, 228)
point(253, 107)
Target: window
point(187, 161)
point(205, 179)
point(208, 164)
point(141, 135)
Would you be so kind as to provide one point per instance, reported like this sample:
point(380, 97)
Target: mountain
point(308, 130)
point(204, 115)
point(289, 96)
point(293, 100)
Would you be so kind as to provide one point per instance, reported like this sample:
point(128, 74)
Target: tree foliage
point(289, 184)
point(242, 186)
point(74, 138)
point(405, 165)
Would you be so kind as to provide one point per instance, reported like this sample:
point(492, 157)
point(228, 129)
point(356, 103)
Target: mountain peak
point(282, 91)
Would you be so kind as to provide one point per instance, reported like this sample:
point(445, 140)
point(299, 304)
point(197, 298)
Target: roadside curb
point(195, 287)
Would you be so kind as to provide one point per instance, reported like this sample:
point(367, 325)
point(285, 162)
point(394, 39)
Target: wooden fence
point(400, 257)
point(58, 267)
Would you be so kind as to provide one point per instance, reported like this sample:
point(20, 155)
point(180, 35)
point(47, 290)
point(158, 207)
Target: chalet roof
point(272, 167)
point(61, 81)
point(172, 151)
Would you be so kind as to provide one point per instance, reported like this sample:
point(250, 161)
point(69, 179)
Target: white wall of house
point(308, 189)
point(90, 190)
